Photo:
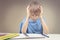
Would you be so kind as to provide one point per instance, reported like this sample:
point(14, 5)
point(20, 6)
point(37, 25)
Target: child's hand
point(40, 15)
point(28, 15)
point(41, 12)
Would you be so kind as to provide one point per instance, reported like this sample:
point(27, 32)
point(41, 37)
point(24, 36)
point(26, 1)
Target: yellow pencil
point(8, 36)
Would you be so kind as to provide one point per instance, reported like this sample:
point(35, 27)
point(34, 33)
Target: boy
point(34, 22)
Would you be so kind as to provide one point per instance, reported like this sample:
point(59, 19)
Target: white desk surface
point(51, 37)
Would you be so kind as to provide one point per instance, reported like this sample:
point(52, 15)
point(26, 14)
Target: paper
point(30, 36)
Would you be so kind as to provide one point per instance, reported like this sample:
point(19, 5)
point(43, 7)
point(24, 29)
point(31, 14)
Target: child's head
point(34, 10)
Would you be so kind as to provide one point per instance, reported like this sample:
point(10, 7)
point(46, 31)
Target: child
point(34, 22)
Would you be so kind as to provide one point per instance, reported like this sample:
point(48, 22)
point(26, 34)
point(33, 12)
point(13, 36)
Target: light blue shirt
point(33, 26)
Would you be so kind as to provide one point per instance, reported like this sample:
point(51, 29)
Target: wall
point(13, 11)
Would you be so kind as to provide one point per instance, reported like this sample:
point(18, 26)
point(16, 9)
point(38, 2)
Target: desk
point(51, 37)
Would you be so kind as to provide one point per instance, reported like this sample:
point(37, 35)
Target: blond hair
point(34, 3)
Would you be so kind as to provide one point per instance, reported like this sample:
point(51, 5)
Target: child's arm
point(45, 28)
point(25, 25)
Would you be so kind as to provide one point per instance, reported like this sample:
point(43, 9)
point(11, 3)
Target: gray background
point(13, 11)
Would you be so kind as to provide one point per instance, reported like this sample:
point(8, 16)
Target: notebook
point(29, 36)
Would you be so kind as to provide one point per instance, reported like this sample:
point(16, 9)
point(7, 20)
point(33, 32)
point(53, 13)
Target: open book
point(29, 36)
